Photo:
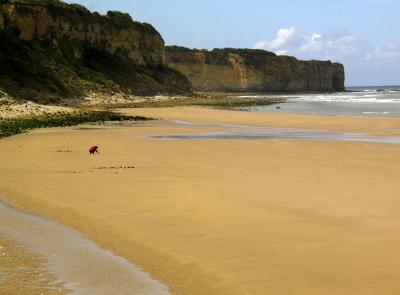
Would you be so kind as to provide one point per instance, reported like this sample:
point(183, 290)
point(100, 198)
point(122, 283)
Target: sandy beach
point(222, 216)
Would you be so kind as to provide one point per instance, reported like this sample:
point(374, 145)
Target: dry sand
point(223, 217)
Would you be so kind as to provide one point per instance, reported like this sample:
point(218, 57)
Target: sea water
point(244, 132)
point(379, 101)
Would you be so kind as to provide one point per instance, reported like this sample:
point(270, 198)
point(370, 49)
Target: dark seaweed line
point(9, 127)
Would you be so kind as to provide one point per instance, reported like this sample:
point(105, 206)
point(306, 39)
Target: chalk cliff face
point(82, 51)
point(253, 71)
point(115, 33)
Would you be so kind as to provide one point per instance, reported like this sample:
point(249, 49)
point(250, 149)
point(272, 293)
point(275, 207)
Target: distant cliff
point(52, 49)
point(253, 70)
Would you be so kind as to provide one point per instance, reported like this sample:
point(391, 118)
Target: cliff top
point(77, 12)
point(220, 55)
point(222, 50)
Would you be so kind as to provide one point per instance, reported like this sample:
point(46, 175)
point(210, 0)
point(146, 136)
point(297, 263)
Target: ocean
point(376, 101)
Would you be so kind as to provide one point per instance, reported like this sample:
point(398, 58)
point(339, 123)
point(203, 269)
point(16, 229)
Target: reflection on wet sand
point(81, 266)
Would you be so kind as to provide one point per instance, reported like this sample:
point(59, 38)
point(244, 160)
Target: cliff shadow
point(123, 75)
point(29, 71)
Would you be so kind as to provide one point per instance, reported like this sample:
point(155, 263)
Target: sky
point(364, 35)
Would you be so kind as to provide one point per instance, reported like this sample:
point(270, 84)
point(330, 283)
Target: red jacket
point(93, 149)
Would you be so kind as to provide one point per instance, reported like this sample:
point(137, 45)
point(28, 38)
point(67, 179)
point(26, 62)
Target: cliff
point(51, 49)
point(253, 70)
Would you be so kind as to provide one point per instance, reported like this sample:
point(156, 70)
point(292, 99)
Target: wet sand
point(76, 263)
point(223, 216)
point(23, 272)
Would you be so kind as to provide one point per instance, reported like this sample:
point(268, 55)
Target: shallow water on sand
point(242, 132)
point(79, 263)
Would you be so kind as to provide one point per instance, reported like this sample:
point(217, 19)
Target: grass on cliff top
point(219, 56)
point(77, 13)
point(9, 127)
point(37, 2)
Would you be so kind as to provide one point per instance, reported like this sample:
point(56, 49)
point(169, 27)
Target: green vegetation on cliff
point(51, 50)
point(37, 72)
point(26, 70)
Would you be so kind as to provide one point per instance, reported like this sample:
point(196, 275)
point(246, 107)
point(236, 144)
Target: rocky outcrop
point(79, 51)
point(253, 70)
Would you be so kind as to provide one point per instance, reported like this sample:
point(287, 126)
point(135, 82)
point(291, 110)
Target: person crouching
point(94, 149)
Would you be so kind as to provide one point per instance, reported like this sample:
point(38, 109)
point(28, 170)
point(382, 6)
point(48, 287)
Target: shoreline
point(65, 254)
point(25, 272)
point(369, 125)
point(9, 127)
point(219, 217)
point(19, 116)
point(18, 108)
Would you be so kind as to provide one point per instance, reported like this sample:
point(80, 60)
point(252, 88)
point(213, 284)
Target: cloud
point(335, 46)
point(383, 54)
point(282, 40)
point(330, 46)
point(315, 46)
point(313, 43)
point(389, 51)
point(365, 61)
point(281, 52)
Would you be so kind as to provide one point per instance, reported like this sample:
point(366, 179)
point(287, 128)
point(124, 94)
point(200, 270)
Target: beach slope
point(222, 216)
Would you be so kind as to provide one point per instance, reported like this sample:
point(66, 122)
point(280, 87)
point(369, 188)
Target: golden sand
point(223, 217)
